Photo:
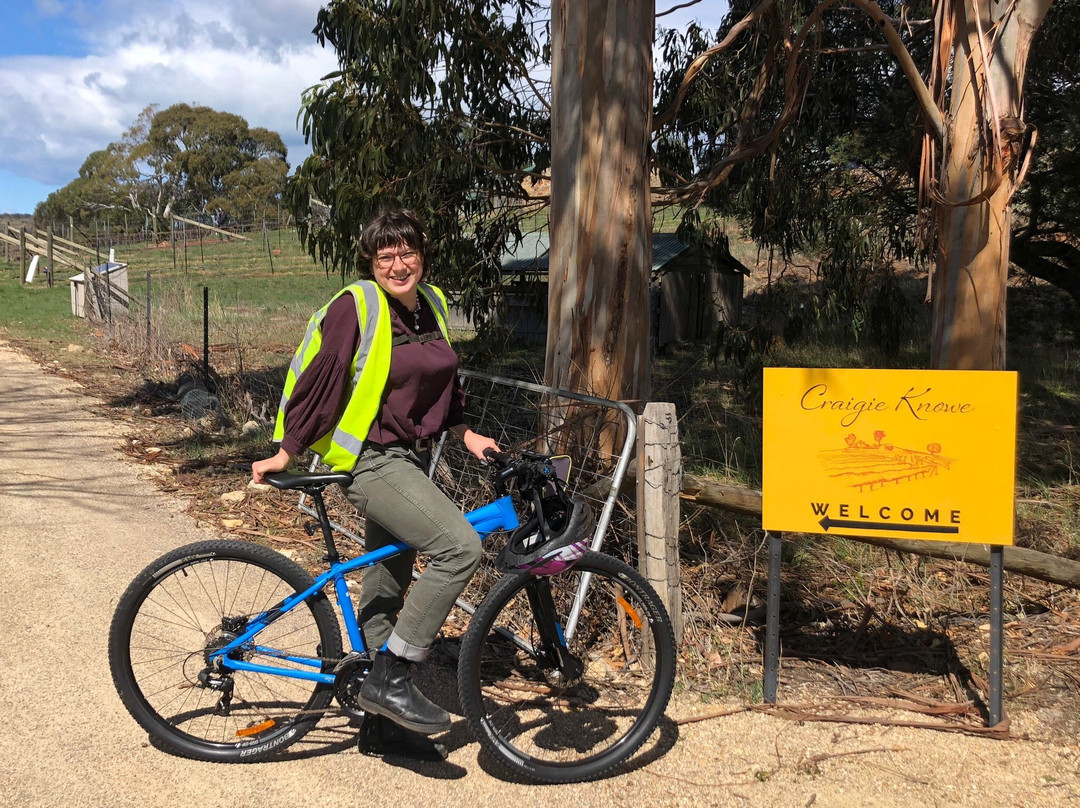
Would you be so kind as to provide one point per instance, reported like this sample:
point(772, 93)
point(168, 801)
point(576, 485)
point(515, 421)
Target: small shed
point(109, 289)
point(524, 290)
point(691, 289)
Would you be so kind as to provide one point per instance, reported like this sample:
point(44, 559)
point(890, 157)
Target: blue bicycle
point(229, 651)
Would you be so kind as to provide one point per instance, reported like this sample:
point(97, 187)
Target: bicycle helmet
point(551, 541)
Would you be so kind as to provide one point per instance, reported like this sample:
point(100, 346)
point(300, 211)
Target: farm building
point(690, 291)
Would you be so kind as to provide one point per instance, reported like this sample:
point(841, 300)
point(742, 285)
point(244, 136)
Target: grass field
point(259, 297)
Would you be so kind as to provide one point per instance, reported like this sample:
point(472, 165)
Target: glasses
point(386, 260)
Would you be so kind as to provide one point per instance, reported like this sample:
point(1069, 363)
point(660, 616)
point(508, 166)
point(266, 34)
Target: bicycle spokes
point(563, 708)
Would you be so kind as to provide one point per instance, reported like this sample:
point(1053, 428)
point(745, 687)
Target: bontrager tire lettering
point(261, 750)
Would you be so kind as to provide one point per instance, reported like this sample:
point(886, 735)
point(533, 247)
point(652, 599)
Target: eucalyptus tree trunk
point(601, 227)
point(984, 152)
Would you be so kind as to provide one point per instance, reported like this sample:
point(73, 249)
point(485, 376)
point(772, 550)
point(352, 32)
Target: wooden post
point(22, 254)
point(148, 341)
point(659, 482)
point(266, 240)
point(50, 256)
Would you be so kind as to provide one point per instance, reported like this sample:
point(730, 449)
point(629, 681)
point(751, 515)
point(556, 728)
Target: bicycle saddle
point(286, 480)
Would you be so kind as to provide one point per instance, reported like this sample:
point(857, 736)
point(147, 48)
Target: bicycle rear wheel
point(563, 715)
point(195, 600)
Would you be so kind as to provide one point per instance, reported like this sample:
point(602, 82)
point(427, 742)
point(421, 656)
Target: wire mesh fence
point(598, 435)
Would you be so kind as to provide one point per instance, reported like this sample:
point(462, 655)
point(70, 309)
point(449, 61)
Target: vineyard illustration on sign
point(869, 465)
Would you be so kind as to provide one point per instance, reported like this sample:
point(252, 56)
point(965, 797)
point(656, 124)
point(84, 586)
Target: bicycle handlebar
point(505, 467)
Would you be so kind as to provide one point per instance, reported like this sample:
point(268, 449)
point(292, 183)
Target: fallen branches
point(999, 731)
point(805, 712)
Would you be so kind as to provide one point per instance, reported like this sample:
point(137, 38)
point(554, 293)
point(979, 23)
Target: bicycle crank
point(349, 675)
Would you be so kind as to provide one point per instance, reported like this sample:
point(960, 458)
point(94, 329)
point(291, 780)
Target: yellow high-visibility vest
point(341, 446)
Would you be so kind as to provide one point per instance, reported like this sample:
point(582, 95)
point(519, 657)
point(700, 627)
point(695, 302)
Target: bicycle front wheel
point(557, 710)
point(195, 600)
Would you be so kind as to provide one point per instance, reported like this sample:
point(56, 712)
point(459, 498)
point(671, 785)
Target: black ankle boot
point(388, 691)
point(380, 736)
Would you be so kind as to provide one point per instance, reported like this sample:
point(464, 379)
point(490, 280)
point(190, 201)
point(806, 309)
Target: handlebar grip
point(498, 457)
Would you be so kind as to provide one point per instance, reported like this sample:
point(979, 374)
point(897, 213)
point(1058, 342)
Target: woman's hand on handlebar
point(476, 443)
point(260, 468)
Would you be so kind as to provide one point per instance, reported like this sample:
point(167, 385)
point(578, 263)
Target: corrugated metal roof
point(108, 267)
point(665, 248)
point(531, 255)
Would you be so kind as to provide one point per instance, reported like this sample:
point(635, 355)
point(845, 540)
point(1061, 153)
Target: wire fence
point(118, 229)
point(598, 435)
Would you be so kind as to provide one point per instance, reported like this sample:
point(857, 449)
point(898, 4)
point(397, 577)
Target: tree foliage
point(837, 182)
point(185, 158)
point(432, 108)
point(805, 122)
point(797, 119)
point(1046, 238)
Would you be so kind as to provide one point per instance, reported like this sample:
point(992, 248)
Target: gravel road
point(77, 521)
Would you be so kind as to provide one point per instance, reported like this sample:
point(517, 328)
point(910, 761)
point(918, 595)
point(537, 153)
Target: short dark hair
point(391, 228)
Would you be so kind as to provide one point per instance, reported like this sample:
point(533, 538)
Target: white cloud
point(253, 59)
point(49, 8)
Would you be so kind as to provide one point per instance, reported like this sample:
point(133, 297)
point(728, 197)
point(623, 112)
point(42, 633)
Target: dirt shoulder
point(78, 520)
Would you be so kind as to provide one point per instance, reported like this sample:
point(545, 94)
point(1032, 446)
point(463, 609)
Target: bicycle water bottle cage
point(553, 540)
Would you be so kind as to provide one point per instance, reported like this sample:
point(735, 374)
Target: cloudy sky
point(75, 74)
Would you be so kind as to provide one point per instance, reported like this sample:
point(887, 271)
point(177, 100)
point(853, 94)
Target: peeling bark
point(981, 169)
point(601, 228)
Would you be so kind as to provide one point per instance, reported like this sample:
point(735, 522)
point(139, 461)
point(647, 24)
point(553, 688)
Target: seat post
point(332, 556)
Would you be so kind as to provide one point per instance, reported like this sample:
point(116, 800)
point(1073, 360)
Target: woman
point(372, 384)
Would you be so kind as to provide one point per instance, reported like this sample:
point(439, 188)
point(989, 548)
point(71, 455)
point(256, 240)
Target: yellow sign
point(899, 454)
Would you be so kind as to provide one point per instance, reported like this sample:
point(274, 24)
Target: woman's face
point(398, 270)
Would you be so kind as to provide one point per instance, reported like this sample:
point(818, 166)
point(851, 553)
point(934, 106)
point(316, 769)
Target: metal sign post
point(772, 622)
point(997, 564)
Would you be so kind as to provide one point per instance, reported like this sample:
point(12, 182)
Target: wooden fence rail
point(1033, 563)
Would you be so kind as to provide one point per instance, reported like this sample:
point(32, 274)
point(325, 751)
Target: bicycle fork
point(563, 668)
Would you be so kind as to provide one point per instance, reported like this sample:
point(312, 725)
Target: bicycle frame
point(487, 519)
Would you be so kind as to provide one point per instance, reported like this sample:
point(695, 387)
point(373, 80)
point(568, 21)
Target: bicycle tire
point(188, 601)
point(549, 731)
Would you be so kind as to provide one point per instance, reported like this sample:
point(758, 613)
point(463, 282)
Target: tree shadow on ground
point(874, 656)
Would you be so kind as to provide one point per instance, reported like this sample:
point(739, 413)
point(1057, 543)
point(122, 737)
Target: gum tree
point(968, 91)
point(444, 106)
point(601, 215)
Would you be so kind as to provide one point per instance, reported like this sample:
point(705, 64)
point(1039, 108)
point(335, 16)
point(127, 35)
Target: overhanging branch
point(663, 119)
point(795, 81)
